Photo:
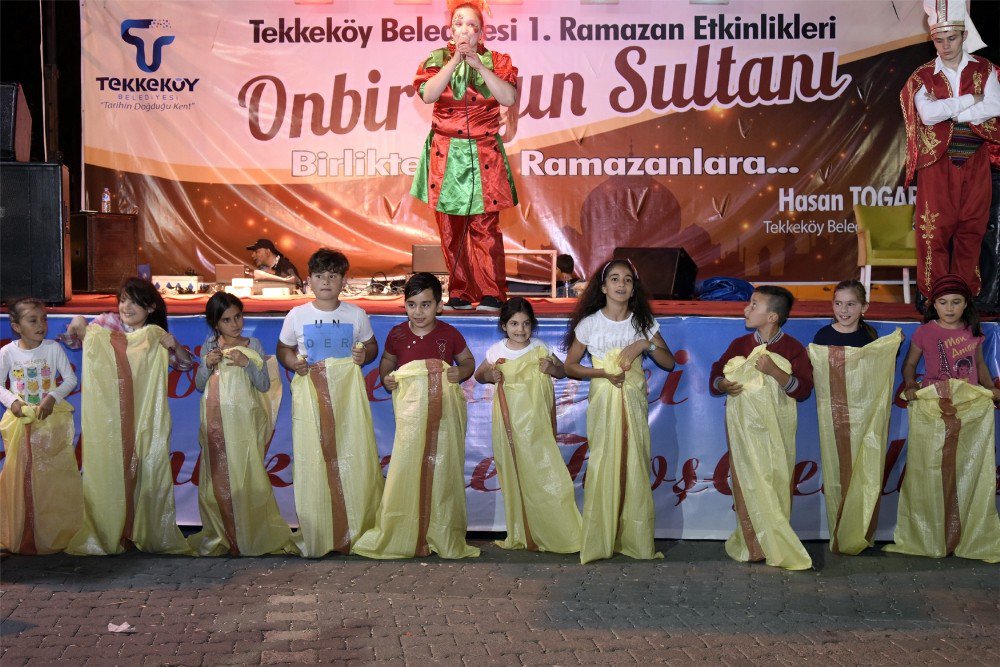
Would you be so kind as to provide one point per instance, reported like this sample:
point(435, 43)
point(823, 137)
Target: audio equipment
point(34, 231)
point(15, 124)
point(104, 249)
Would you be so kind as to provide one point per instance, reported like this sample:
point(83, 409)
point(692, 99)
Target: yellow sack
point(41, 495)
point(618, 513)
point(538, 496)
point(128, 489)
point(853, 402)
point(947, 503)
point(423, 507)
point(761, 424)
point(338, 481)
point(239, 515)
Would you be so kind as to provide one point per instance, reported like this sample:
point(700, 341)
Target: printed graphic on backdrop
point(744, 132)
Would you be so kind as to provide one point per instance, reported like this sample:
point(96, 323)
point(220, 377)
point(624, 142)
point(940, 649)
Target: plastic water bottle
point(106, 201)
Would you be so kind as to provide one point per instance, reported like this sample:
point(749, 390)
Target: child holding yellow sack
point(538, 496)
point(424, 362)
point(947, 503)
point(764, 373)
point(338, 481)
point(41, 495)
point(128, 487)
point(614, 324)
point(853, 372)
point(241, 394)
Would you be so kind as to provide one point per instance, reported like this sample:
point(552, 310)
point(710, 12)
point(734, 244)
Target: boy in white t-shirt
point(338, 481)
point(303, 340)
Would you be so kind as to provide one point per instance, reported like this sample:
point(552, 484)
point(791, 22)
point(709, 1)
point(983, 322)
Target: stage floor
point(89, 304)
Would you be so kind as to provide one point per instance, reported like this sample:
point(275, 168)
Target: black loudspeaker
point(666, 273)
point(105, 250)
point(34, 231)
point(15, 124)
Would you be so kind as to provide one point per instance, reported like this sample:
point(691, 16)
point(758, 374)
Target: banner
point(743, 132)
point(689, 470)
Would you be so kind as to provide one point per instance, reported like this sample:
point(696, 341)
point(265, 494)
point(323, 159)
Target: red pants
point(953, 207)
point(473, 251)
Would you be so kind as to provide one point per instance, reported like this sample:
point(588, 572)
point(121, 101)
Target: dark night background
point(24, 24)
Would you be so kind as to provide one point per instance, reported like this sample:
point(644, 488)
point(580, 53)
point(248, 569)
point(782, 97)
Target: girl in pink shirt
point(950, 341)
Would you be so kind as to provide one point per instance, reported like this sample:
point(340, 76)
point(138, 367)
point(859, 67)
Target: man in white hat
point(950, 106)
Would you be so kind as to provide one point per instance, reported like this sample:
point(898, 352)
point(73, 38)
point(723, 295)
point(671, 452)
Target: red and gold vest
point(926, 144)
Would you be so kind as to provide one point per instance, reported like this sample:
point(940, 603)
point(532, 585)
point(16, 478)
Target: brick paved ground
point(503, 608)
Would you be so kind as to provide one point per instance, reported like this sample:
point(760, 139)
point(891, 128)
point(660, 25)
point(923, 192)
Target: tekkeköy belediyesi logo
point(140, 45)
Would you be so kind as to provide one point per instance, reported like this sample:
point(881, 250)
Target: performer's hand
point(996, 394)
point(547, 365)
point(16, 406)
point(213, 358)
point(453, 374)
point(237, 358)
point(496, 375)
point(474, 62)
point(978, 98)
point(301, 366)
point(910, 391)
point(731, 388)
point(617, 380)
point(45, 409)
point(389, 382)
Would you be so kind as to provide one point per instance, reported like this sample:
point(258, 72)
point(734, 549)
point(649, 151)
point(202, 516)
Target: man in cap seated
point(267, 258)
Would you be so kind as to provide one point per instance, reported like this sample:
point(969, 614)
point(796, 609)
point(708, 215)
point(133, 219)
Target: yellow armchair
point(886, 238)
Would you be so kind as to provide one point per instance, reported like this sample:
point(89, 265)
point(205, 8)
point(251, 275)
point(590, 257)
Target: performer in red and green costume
point(463, 172)
point(950, 106)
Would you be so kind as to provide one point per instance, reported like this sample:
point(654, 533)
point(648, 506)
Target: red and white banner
point(743, 132)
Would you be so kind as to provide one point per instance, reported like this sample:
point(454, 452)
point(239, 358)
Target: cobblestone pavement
point(505, 608)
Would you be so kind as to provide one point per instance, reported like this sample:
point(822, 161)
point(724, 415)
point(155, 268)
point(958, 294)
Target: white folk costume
point(948, 136)
point(853, 402)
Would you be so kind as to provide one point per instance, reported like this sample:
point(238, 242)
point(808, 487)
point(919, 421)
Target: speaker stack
point(15, 124)
point(34, 211)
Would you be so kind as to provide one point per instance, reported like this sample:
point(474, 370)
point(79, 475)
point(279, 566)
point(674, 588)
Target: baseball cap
point(264, 243)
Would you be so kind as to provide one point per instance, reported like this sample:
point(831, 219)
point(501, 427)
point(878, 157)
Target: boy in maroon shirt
point(766, 313)
point(762, 452)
